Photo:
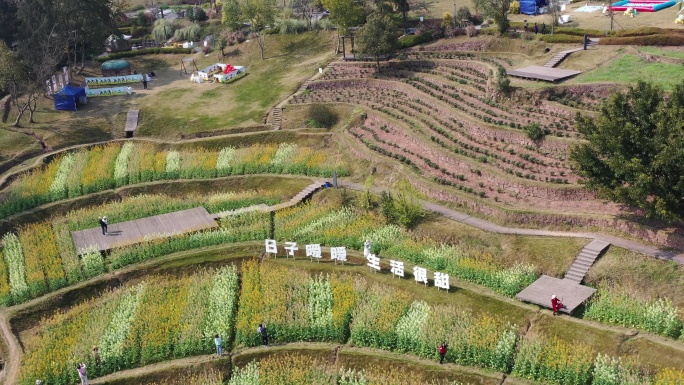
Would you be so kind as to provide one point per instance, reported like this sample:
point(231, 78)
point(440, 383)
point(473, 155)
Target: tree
point(259, 13)
point(8, 25)
point(221, 44)
point(345, 14)
point(463, 13)
point(498, 10)
point(377, 37)
point(634, 153)
point(447, 20)
point(403, 7)
point(231, 15)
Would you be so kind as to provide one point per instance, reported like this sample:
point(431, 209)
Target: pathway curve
point(486, 225)
point(12, 356)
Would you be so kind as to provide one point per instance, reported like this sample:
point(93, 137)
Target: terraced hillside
point(440, 114)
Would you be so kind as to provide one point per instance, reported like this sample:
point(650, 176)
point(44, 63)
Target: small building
point(116, 67)
point(68, 98)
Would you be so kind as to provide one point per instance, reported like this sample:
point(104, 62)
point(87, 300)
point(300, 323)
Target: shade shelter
point(116, 67)
point(68, 98)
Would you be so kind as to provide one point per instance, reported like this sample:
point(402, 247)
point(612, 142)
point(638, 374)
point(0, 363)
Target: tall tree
point(345, 14)
point(8, 24)
point(497, 10)
point(231, 17)
point(378, 37)
point(259, 13)
point(403, 7)
point(635, 150)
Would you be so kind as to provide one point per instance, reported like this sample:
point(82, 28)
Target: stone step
point(577, 271)
point(582, 264)
point(573, 278)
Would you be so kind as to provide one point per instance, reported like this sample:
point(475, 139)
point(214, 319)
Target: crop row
point(113, 165)
point(42, 257)
point(163, 318)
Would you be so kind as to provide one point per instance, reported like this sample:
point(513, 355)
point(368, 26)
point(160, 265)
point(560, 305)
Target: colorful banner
point(112, 91)
point(111, 80)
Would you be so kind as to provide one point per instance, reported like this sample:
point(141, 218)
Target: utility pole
point(611, 16)
point(455, 26)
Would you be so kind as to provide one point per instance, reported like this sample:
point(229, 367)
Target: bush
point(477, 19)
point(471, 31)
point(290, 26)
point(579, 32)
point(662, 40)
point(514, 8)
point(321, 116)
point(534, 131)
point(570, 39)
point(146, 51)
point(463, 13)
point(413, 40)
point(189, 33)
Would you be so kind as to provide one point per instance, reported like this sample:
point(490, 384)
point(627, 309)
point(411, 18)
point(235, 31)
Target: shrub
point(471, 31)
point(515, 7)
point(463, 13)
point(321, 116)
point(534, 131)
point(191, 33)
point(670, 39)
point(146, 51)
point(413, 40)
point(562, 39)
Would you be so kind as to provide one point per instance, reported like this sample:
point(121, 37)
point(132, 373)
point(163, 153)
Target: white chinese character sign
point(291, 247)
point(313, 251)
point(420, 274)
point(271, 247)
point(338, 254)
point(397, 268)
point(374, 262)
point(442, 281)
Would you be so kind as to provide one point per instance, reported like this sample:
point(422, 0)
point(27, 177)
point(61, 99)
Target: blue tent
point(68, 97)
point(531, 7)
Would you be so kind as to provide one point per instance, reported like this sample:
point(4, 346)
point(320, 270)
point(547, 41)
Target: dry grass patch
point(642, 277)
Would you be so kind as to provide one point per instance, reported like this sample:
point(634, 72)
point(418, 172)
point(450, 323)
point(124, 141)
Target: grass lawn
point(180, 107)
point(640, 276)
point(631, 68)
point(13, 144)
point(673, 53)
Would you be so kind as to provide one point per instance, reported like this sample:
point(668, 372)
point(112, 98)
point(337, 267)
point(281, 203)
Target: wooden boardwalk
point(571, 293)
point(139, 230)
point(560, 56)
point(131, 122)
point(548, 74)
point(585, 259)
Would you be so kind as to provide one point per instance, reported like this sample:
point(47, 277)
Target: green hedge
point(562, 39)
point(663, 40)
point(413, 40)
point(145, 51)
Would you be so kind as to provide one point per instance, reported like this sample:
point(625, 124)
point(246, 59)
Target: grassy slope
point(184, 107)
point(631, 68)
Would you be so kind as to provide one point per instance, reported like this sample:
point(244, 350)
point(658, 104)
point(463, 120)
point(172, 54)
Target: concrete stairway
point(560, 56)
point(585, 259)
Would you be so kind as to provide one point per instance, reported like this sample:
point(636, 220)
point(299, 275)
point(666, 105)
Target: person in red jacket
point(442, 350)
point(556, 304)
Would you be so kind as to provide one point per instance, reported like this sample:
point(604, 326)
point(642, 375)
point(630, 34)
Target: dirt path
point(13, 354)
point(486, 225)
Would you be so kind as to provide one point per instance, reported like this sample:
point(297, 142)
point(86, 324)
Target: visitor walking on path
point(103, 223)
point(527, 26)
point(263, 332)
point(442, 350)
point(81, 368)
point(556, 304)
point(536, 28)
point(219, 343)
point(144, 81)
point(543, 29)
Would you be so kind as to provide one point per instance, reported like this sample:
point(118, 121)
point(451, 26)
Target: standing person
point(536, 28)
point(367, 248)
point(556, 304)
point(103, 224)
point(144, 81)
point(543, 29)
point(81, 368)
point(219, 345)
point(96, 356)
point(527, 26)
point(263, 332)
point(442, 350)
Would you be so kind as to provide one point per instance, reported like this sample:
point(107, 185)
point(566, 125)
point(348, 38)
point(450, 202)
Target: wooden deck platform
point(132, 232)
point(547, 74)
point(131, 122)
point(571, 293)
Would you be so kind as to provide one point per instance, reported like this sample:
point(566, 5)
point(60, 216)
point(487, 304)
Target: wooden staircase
point(585, 259)
point(560, 56)
point(276, 118)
